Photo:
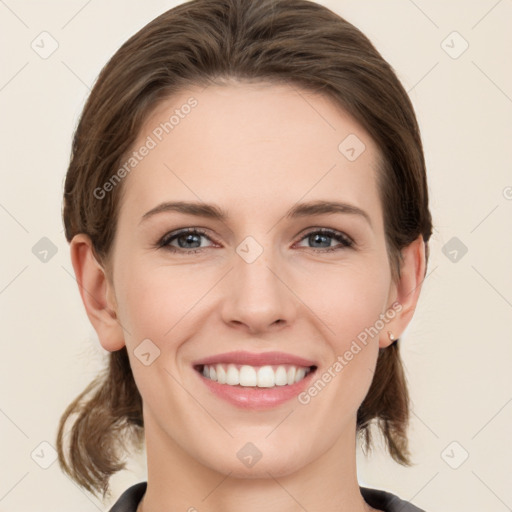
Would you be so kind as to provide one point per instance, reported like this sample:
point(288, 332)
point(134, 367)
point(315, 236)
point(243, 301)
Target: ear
point(97, 293)
point(405, 293)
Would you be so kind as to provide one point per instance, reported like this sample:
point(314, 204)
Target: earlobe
point(97, 293)
point(408, 287)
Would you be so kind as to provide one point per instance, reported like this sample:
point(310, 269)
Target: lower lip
point(255, 398)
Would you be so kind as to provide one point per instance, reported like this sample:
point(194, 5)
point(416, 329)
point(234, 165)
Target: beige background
point(457, 350)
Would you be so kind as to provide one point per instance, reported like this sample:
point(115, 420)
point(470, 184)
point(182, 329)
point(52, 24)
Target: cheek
point(348, 304)
point(162, 309)
point(156, 309)
point(346, 300)
point(155, 301)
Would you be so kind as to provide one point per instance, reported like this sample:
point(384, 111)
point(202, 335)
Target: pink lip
point(249, 358)
point(255, 398)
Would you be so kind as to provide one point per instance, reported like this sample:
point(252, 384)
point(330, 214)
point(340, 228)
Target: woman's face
point(258, 281)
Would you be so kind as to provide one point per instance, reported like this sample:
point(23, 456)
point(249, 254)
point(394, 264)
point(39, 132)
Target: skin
point(255, 150)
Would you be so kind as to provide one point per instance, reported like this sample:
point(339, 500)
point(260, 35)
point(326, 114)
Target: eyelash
point(164, 242)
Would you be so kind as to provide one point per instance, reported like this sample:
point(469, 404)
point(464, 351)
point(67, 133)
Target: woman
point(253, 359)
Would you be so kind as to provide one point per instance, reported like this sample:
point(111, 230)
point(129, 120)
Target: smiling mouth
point(267, 376)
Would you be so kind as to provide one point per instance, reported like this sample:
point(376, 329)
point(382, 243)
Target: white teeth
point(255, 376)
point(266, 377)
point(281, 377)
point(301, 372)
point(232, 375)
point(221, 374)
point(291, 375)
point(248, 376)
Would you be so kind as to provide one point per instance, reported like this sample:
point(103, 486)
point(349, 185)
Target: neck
point(177, 481)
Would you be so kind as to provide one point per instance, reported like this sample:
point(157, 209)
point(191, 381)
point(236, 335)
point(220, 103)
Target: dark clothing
point(130, 499)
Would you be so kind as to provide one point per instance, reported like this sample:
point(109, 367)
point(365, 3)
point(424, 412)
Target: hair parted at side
point(297, 42)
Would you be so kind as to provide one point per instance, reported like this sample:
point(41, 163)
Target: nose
point(257, 297)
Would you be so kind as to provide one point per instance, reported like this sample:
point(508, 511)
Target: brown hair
point(297, 42)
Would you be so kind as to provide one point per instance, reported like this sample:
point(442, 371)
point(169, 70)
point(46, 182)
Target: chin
point(252, 463)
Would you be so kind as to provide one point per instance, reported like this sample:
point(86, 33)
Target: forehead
point(251, 147)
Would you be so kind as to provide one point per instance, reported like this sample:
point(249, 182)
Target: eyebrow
point(212, 211)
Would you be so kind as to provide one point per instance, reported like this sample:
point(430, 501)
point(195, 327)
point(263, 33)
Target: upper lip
point(252, 359)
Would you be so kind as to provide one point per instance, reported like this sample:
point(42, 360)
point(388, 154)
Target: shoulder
point(386, 501)
point(130, 499)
